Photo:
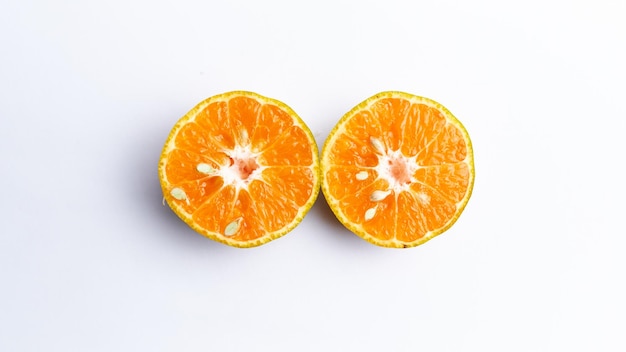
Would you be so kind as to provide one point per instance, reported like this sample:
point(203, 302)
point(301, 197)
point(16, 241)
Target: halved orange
point(398, 169)
point(240, 168)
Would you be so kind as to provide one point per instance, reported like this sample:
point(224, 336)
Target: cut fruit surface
point(240, 168)
point(398, 169)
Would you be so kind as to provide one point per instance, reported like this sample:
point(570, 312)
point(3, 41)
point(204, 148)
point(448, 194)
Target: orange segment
point(182, 165)
point(353, 152)
point(243, 116)
point(391, 113)
point(383, 223)
point(272, 123)
point(347, 180)
point(214, 118)
point(293, 183)
point(422, 124)
point(240, 168)
point(193, 194)
point(412, 221)
point(363, 125)
point(375, 216)
point(279, 208)
point(435, 209)
point(448, 146)
point(290, 149)
point(214, 214)
point(398, 169)
point(451, 180)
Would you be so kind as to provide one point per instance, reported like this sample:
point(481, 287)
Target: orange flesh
point(423, 165)
point(264, 169)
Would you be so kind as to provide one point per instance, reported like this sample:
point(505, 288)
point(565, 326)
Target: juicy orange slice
point(240, 168)
point(398, 169)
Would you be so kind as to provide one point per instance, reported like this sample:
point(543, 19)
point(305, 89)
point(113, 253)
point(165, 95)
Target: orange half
point(240, 168)
point(398, 169)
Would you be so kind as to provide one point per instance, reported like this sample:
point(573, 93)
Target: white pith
point(383, 170)
point(231, 174)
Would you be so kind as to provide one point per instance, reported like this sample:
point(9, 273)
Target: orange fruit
point(240, 168)
point(398, 169)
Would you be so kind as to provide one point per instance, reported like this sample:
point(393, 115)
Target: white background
point(91, 261)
